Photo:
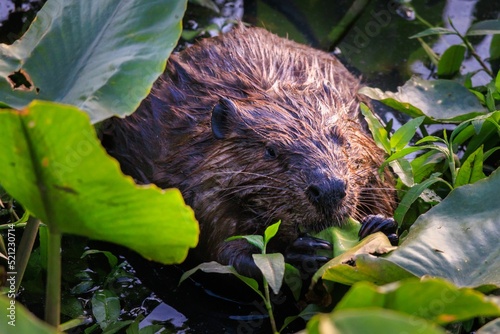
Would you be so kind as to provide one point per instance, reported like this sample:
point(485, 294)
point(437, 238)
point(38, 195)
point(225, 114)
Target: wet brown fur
point(300, 101)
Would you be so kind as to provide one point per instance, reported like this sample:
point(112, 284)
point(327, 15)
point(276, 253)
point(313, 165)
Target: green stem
point(269, 306)
point(423, 21)
point(451, 163)
point(25, 248)
point(341, 28)
point(74, 323)
point(53, 288)
point(472, 51)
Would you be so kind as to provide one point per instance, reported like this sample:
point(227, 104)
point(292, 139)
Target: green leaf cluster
point(438, 279)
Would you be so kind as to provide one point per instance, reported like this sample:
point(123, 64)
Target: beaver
point(253, 129)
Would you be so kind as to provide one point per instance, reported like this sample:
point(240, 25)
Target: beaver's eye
point(271, 152)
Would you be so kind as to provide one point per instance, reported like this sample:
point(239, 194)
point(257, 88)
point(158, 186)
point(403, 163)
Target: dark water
point(376, 46)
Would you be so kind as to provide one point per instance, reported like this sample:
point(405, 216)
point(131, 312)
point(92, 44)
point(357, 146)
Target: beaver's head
point(275, 162)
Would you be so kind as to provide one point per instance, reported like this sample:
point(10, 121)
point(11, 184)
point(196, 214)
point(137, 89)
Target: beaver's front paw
point(378, 223)
point(302, 253)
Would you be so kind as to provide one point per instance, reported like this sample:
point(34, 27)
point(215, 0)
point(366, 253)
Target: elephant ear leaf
point(458, 238)
point(109, 42)
point(53, 164)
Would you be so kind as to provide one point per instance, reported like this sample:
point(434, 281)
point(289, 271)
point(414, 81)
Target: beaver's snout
point(327, 192)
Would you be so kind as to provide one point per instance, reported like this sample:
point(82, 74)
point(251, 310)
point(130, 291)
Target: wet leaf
point(108, 43)
point(358, 264)
point(458, 238)
point(443, 100)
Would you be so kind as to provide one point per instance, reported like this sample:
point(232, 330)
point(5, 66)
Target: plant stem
point(476, 56)
point(269, 306)
point(451, 163)
point(53, 288)
point(341, 28)
point(472, 51)
point(25, 248)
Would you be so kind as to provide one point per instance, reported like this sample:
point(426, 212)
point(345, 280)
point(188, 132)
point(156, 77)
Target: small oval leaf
point(272, 267)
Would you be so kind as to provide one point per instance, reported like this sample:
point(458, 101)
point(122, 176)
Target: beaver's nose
point(327, 193)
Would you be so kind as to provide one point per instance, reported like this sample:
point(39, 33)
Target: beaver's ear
point(223, 115)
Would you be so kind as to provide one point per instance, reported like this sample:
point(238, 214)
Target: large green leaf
point(342, 237)
point(54, 165)
point(457, 239)
point(443, 100)
point(432, 299)
point(17, 319)
point(370, 321)
point(102, 56)
point(360, 264)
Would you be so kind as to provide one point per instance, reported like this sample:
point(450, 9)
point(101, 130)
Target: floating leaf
point(444, 100)
point(85, 52)
point(53, 164)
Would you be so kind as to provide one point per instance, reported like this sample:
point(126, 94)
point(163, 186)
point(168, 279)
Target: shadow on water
point(375, 45)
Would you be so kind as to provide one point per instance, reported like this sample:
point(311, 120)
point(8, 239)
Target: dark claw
point(310, 244)
point(302, 253)
point(294, 258)
point(377, 223)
